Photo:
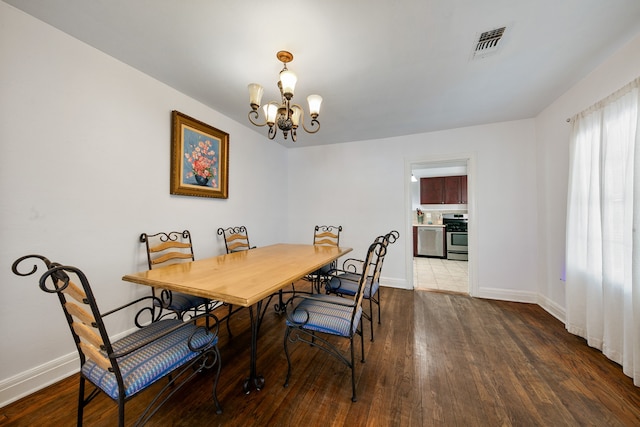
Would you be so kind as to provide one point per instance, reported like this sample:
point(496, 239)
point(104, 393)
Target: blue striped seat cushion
point(150, 363)
point(326, 268)
point(325, 316)
point(183, 302)
point(347, 284)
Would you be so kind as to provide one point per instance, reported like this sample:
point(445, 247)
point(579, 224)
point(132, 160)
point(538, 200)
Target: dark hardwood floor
point(438, 359)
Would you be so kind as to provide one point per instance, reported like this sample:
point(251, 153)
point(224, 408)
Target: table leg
point(280, 306)
point(254, 380)
point(318, 281)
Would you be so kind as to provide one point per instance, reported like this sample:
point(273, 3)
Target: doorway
point(444, 275)
point(441, 274)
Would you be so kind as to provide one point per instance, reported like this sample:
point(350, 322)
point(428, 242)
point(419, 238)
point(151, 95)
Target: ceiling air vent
point(488, 42)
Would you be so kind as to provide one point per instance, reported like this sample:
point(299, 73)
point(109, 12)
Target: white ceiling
point(384, 68)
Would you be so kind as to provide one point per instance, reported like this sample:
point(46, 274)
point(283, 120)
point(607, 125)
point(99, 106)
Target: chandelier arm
point(294, 135)
point(255, 115)
point(314, 122)
point(273, 130)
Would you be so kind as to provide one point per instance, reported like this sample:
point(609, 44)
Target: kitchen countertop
point(415, 224)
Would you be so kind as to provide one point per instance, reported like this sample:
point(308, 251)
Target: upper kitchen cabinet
point(455, 190)
point(431, 191)
point(450, 190)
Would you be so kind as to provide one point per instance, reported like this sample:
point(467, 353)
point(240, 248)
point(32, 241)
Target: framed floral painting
point(199, 158)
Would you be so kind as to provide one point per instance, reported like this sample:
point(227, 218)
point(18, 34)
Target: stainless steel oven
point(457, 245)
point(457, 238)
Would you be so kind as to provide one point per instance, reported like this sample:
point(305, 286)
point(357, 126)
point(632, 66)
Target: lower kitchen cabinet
point(429, 241)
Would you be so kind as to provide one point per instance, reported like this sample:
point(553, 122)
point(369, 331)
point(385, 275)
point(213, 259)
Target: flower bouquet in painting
point(202, 161)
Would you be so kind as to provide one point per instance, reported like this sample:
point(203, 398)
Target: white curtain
point(603, 229)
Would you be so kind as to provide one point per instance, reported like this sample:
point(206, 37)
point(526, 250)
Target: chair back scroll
point(385, 241)
point(353, 266)
point(167, 247)
point(327, 235)
point(235, 238)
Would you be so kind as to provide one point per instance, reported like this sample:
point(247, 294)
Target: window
point(603, 212)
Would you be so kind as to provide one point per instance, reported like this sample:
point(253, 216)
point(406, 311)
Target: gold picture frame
point(199, 158)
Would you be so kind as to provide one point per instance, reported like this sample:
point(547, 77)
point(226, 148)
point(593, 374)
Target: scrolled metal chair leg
point(215, 383)
point(286, 352)
point(361, 333)
point(353, 374)
point(81, 401)
point(371, 311)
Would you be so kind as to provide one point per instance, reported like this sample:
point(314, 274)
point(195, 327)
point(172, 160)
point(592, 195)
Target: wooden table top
point(241, 278)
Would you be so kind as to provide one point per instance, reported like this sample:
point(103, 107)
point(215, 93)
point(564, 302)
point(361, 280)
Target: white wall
point(553, 164)
point(364, 186)
point(84, 169)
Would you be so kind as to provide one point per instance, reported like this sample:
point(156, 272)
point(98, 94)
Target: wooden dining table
point(245, 278)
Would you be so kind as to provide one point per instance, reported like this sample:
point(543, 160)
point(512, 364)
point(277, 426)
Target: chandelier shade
point(288, 81)
point(283, 115)
point(314, 105)
point(255, 94)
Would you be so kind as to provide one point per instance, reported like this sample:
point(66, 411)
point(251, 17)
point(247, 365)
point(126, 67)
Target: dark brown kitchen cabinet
point(450, 190)
point(455, 190)
point(431, 191)
point(463, 189)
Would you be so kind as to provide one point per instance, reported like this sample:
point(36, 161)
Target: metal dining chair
point(324, 235)
point(159, 348)
point(344, 281)
point(168, 248)
point(314, 318)
point(236, 239)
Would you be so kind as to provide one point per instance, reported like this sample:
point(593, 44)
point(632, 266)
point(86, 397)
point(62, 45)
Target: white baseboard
point(552, 308)
point(395, 283)
point(32, 380)
point(37, 378)
point(507, 295)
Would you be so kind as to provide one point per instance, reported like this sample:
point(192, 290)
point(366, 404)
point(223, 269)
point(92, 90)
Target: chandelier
point(286, 115)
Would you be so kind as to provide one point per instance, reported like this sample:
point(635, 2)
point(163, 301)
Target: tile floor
point(441, 274)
